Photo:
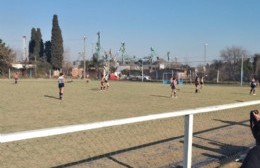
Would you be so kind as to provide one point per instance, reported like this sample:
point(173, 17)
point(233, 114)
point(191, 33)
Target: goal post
point(166, 77)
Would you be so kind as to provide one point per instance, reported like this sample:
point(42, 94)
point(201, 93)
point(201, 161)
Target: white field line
point(16, 136)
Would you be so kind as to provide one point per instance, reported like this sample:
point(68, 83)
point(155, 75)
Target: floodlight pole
point(24, 47)
point(142, 71)
point(205, 56)
point(35, 69)
point(205, 53)
point(242, 69)
point(84, 57)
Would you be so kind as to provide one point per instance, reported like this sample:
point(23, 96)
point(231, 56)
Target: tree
point(256, 65)
point(56, 44)
point(32, 45)
point(36, 47)
point(6, 57)
point(47, 51)
point(97, 63)
point(232, 61)
point(248, 70)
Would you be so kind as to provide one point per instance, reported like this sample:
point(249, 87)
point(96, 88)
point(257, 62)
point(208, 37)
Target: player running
point(253, 86)
point(197, 84)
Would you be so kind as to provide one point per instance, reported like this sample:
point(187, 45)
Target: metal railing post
point(187, 162)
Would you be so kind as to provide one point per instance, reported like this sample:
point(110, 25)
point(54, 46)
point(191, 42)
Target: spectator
point(252, 159)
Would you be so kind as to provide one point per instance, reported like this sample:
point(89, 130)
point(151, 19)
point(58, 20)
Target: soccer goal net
point(166, 77)
point(157, 140)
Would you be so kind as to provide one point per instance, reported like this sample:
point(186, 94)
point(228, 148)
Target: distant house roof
point(22, 66)
point(159, 61)
point(17, 66)
point(121, 68)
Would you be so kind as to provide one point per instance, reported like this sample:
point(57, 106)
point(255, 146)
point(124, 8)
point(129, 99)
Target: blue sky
point(179, 26)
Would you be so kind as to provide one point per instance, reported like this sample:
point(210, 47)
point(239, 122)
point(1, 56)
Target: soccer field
point(34, 104)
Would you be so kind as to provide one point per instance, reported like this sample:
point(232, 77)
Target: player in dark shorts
point(87, 77)
point(201, 82)
point(253, 86)
point(197, 83)
point(102, 83)
point(61, 81)
point(106, 84)
point(16, 78)
point(173, 84)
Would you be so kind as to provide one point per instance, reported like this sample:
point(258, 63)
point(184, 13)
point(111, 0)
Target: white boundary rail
point(17, 136)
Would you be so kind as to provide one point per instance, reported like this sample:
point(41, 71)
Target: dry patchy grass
point(33, 104)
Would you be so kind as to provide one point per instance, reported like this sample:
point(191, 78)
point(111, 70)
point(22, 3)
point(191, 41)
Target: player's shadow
point(52, 97)
point(95, 89)
point(161, 96)
point(239, 93)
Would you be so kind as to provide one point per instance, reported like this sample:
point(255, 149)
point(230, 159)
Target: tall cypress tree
point(35, 45)
point(47, 51)
point(56, 44)
point(39, 43)
point(32, 45)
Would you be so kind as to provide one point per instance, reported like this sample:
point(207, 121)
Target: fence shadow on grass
point(110, 154)
point(220, 150)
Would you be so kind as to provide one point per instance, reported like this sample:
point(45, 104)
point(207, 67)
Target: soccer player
point(173, 84)
point(253, 86)
point(61, 81)
point(102, 83)
point(16, 78)
point(87, 77)
point(106, 86)
point(201, 82)
point(197, 83)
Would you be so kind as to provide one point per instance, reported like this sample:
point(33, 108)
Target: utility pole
point(84, 57)
point(142, 70)
point(24, 49)
point(152, 55)
point(242, 69)
point(168, 58)
point(122, 49)
point(35, 69)
point(205, 53)
point(98, 46)
point(205, 56)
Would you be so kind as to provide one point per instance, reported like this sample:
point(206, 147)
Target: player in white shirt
point(61, 81)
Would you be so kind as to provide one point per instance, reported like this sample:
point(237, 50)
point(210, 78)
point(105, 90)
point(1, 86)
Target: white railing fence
point(108, 133)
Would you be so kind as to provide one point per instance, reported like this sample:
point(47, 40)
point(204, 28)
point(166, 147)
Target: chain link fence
point(218, 137)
